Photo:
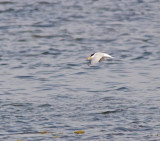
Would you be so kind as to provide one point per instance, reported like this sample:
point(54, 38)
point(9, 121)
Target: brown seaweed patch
point(45, 132)
point(79, 132)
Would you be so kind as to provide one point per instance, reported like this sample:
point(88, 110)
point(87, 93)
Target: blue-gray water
point(47, 86)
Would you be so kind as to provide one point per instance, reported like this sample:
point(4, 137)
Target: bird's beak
point(89, 58)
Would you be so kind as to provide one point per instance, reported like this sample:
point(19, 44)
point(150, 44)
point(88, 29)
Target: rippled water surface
point(47, 89)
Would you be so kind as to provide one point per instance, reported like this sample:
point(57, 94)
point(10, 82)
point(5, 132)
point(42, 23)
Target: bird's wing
point(102, 59)
point(107, 55)
point(97, 58)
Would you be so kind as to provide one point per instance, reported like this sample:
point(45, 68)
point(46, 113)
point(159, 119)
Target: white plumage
point(98, 57)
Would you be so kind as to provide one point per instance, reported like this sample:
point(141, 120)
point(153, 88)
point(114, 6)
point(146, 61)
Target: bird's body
point(98, 57)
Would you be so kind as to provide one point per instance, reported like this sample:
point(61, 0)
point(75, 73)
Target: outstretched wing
point(102, 59)
point(107, 55)
point(98, 57)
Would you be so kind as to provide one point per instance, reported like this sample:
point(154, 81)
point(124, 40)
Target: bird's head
point(90, 57)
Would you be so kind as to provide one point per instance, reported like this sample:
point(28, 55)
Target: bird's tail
point(108, 56)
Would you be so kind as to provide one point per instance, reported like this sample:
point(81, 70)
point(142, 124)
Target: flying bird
point(98, 57)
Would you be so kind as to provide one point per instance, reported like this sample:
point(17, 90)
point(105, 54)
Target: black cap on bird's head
point(92, 54)
point(89, 58)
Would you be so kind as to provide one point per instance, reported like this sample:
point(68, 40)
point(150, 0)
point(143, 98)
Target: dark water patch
point(79, 39)
point(56, 50)
point(124, 34)
point(34, 31)
point(146, 53)
point(7, 10)
point(45, 105)
point(144, 74)
point(110, 112)
point(124, 89)
point(72, 65)
point(77, 89)
point(109, 98)
point(115, 134)
point(17, 67)
point(13, 133)
point(44, 2)
point(110, 29)
point(145, 46)
point(62, 51)
point(6, 2)
point(51, 53)
point(50, 3)
point(97, 91)
point(142, 39)
point(44, 36)
point(32, 55)
point(24, 77)
point(37, 65)
point(42, 26)
point(106, 40)
point(16, 90)
point(139, 128)
point(45, 72)
point(80, 73)
point(77, 16)
point(42, 79)
point(139, 58)
point(4, 64)
point(60, 75)
point(21, 52)
point(124, 129)
point(92, 67)
point(4, 27)
point(18, 104)
point(45, 88)
point(157, 87)
point(125, 56)
point(21, 40)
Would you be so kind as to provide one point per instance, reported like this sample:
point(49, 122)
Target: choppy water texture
point(47, 89)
